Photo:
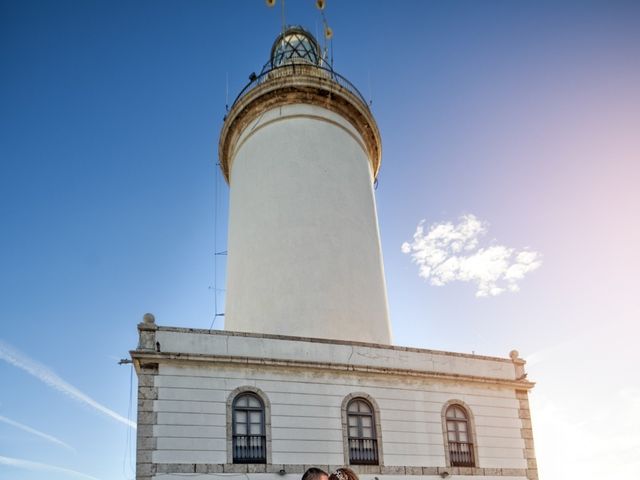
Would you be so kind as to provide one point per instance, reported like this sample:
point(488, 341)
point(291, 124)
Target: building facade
point(304, 373)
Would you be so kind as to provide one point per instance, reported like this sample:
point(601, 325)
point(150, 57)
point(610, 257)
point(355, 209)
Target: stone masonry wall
point(147, 418)
point(527, 434)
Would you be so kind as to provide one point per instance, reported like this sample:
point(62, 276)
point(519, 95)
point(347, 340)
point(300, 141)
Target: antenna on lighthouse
point(326, 30)
point(271, 4)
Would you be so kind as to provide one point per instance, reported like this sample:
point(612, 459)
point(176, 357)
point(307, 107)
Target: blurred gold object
point(328, 32)
point(320, 4)
point(270, 3)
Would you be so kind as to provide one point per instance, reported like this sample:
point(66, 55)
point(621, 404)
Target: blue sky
point(525, 114)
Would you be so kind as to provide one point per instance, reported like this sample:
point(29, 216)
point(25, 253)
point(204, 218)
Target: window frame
point(471, 433)
point(265, 422)
point(375, 426)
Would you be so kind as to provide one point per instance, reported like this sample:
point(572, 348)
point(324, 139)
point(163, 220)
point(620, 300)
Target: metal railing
point(249, 449)
point(461, 454)
point(363, 451)
point(270, 72)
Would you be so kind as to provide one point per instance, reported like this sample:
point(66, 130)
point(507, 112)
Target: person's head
point(343, 474)
point(314, 473)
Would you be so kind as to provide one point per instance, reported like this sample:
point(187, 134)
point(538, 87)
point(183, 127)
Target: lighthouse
point(301, 151)
point(304, 373)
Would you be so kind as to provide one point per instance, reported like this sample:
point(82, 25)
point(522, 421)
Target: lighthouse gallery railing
point(270, 72)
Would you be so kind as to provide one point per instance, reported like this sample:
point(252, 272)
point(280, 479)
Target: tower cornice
point(298, 84)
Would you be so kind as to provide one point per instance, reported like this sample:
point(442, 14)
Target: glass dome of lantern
point(295, 45)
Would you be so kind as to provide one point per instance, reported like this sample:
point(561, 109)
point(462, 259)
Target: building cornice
point(146, 357)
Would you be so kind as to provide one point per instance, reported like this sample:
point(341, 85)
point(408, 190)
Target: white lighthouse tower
point(301, 150)
point(304, 373)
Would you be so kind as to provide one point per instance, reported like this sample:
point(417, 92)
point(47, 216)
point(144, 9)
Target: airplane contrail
point(38, 433)
point(49, 377)
point(29, 465)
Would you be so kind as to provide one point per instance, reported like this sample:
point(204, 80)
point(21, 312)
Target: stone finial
point(518, 364)
point(147, 332)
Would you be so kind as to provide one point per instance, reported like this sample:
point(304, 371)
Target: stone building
point(304, 373)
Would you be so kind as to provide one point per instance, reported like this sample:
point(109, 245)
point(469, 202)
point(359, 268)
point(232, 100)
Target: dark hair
point(313, 473)
point(343, 474)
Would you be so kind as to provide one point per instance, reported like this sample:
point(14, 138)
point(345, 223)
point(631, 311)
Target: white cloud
point(38, 433)
point(447, 252)
point(17, 359)
point(43, 467)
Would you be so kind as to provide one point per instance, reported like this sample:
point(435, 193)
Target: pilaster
point(146, 443)
point(527, 434)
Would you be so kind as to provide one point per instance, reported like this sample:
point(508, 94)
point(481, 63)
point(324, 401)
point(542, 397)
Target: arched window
point(249, 433)
point(361, 433)
point(459, 436)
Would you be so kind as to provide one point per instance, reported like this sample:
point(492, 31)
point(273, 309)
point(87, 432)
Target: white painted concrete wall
point(304, 253)
point(324, 352)
point(306, 416)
